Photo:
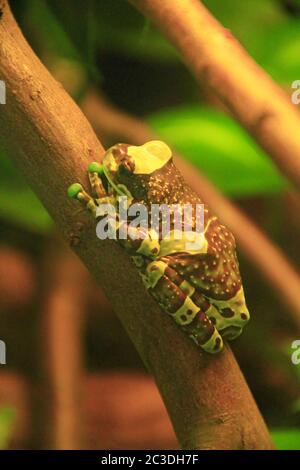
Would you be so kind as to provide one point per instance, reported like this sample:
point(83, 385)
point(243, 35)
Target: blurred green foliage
point(18, 203)
point(113, 26)
point(7, 419)
point(39, 18)
point(218, 146)
point(269, 34)
point(286, 439)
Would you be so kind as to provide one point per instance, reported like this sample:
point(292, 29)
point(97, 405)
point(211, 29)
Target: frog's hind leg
point(181, 307)
point(227, 329)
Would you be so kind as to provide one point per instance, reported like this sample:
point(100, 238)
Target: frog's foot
point(76, 191)
point(229, 329)
point(230, 316)
point(180, 306)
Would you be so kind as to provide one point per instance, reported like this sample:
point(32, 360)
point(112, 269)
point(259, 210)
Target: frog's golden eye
point(127, 165)
point(124, 161)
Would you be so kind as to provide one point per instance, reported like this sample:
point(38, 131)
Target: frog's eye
point(124, 161)
point(126, 165)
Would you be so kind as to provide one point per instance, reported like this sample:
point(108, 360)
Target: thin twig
point(206, 396)
point(215, 57)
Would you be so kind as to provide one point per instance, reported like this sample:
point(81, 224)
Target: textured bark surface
point(216, 58)
point(51, 141)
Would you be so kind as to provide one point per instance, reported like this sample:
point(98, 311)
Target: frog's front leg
point(77, 191)
point(176, 300)
point(95, 171)
point(138, 241)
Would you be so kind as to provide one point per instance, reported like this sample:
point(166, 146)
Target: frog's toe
point(231, 332)
point(232, 317)
point(95, 167)
point(228, 322)
point(74, 190)
point(214, 344)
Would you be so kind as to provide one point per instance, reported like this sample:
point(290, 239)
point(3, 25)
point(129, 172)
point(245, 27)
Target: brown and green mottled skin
point(201, 289)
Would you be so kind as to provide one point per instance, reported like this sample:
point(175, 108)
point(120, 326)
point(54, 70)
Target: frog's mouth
point(231, 332)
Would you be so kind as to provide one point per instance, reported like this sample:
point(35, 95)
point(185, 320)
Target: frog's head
point(128, 168)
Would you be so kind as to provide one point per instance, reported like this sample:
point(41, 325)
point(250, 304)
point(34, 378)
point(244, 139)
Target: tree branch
point(259, 249)
point(206, 396)
point(215, 57)
point(63, 314)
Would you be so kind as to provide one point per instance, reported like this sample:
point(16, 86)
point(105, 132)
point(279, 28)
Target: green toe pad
point(74, 189)
point(95, 167)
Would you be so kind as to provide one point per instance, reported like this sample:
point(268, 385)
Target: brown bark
point(206, 396)
point(215, 57)
point(63, 311)
point(117, 403)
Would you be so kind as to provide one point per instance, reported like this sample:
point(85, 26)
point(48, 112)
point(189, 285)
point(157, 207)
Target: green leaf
point(286, 439)
point(279, 54)
point(276, 42)
point(219, 147)
point(242, 17)
point(21, 206)
point(18, 203)
point(40, 16)
point(113, 26)
point(7, 419)
point(143, 44)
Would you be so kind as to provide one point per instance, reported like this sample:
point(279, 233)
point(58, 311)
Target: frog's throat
point(121, 190)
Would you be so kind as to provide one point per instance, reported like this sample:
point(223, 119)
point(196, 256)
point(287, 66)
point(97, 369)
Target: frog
point(199, 287)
